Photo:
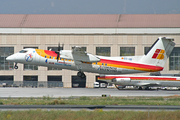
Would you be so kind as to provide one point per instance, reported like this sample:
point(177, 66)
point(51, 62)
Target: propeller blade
point(59, 47)
point(57, 52)
point(57, 57)
point(62, 46)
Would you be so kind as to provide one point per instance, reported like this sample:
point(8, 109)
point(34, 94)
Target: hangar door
point(78, 82)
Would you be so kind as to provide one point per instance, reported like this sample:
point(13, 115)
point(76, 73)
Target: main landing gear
point(146, 88)
point(117, 87)
point(15, 66)
point(140, 88)
point(81, 74)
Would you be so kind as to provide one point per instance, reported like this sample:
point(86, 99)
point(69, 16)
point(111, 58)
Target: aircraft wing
point(79, 54)
point(148, 84)
point(79, 51)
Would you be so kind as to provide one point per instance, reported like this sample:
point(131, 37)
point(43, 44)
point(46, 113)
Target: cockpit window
point(23, 51)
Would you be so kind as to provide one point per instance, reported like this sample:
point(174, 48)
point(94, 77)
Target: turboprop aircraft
point(79, 60)
point(141, 81)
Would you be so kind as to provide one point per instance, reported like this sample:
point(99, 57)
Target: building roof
point(89, 20)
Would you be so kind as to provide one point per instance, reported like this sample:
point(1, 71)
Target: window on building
point(4, 53)
point(103, 51)
point(30, 67)
point(54, 49)
point(55, 81)
point(127, 51)
point(30, 81)
point(54, 78)
point(82, 48)
point(146, 50)
point(30, 78)
point(174, 59)
point(7, 79)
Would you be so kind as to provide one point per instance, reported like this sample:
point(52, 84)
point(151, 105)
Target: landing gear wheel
point(81, 74)
point(15, 66)
point(140, 88)
point(147, 88)
point(117, 87)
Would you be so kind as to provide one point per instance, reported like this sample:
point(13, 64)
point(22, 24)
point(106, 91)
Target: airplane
point(141, 81)
point(79, 60)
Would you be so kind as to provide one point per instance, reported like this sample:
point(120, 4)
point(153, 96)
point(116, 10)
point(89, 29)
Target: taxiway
point(68, 92)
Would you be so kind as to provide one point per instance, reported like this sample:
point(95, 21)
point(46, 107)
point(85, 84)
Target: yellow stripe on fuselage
point(43, 54)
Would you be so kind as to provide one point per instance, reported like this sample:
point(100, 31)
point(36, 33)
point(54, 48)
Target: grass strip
point(89, 115)
point(170, 100)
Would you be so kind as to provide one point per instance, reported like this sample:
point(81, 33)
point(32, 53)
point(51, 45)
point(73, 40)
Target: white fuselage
point(149, 81)
point(106, 65)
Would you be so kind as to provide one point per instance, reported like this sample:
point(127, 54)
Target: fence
point(49, 84)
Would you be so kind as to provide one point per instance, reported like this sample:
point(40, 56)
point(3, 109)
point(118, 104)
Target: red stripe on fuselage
point(129, 64)
point(51, 53)
point(137, 78)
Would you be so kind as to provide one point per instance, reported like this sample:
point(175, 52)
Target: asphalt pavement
point(68, 92)
point(88, 107)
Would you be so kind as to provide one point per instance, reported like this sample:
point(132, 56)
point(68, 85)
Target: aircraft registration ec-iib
point(79, 60)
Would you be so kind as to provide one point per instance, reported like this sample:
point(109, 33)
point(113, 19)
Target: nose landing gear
point(81, 74)
point(15, 66)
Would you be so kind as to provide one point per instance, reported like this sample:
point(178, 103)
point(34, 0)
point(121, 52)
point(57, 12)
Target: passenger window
point(45, 56)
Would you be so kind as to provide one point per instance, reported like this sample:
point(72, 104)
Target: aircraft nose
point(10, 58)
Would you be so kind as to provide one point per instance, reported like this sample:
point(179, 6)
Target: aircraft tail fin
point(159, 52)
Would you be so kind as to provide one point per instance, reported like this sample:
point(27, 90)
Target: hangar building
point(101, 34)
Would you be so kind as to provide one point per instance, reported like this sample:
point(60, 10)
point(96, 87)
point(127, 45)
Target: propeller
point(59, 49)
point(58, 52)
point(62, 46)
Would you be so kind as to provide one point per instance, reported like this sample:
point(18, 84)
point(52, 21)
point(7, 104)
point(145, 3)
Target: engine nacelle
point(121, 80)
